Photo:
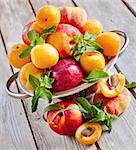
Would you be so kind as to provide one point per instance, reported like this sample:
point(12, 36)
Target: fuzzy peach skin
point(61, 41)
point(116, 105)
point(110, 42)
point(92, 60)
point(48, 16)
point(25, 71)
point(92, 26)
point(44, 56)
point(75, 16)
point(13, 56)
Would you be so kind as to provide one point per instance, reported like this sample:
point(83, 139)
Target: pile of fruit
point(61, 50)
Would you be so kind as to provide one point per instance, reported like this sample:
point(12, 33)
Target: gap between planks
point(19, 92)
point(129, 7)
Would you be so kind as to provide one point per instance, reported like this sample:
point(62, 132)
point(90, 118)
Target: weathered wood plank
point(122, 135)
point(15, 132)
point(131, 4)
point(45, 138)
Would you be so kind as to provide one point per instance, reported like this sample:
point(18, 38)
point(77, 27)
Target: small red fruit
point(66, 122)
point(67, 74)
point(25, 31)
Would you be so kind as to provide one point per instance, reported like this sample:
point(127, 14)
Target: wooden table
point(22, 130)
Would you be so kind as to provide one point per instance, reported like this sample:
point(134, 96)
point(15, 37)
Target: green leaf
point(47, 31)
point(99, 104)
point(94, 114)
point(131, 85)
point(88, 36)
point(34, 82)
point(52, 107)
point(96, 75)
point(37, 94)
point(40, 92)
point(31, 35)
point(26, 52)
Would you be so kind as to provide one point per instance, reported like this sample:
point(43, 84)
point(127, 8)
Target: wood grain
point(15, 132)
point(122, 135)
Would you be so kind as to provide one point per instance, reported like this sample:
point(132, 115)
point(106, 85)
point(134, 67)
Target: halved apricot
point(88, 133)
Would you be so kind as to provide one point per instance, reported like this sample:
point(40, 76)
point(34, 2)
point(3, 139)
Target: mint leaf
point(47, 31)
point(26, 52)
point(31, 35)
point(94, 114)
point(131, 85)
point(46, 94)
point(85, 43)
point(73, 106)
point(96, 75)
point(34, 82)
point(52, 107)
point(37, 94)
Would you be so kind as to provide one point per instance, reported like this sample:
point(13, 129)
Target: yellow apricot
point(44, 56)
point(13, 56)
point(92, 60)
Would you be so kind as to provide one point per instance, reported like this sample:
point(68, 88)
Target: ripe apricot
point(48, 16)
point(13, 55)
point(110, 42)
point(92, 60)
point(92, 26)
point(25, 71)
point(35, 26)
point(61, 41)
point(44, 56)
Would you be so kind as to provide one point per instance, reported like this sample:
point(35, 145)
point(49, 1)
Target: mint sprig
point(131, 85)
point(94, 114)
point(36, 39)
point(96, 75)
point(41, 88)
point(85, 43)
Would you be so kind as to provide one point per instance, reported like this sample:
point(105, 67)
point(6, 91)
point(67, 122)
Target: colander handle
point(24, 95)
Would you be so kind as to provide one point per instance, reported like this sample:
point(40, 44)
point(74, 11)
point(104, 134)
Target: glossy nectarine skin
point(44, 56)
point(61, 41)
point(25, 71)
point(110, 42)
point(68, 29)
point(75, 16)
point(92, 60)
point(116, 105)
point(92, 26)
point(48, 16)
point(67, 122)
point(13, 56)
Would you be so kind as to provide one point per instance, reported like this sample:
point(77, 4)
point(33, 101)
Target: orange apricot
point(92, 60)
point(13, 56)
point(48, 16)
point(36, 27)
point(61, 41)
point(44, 56)
point(25, 71)
point(92, 26)
point(110, 42)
